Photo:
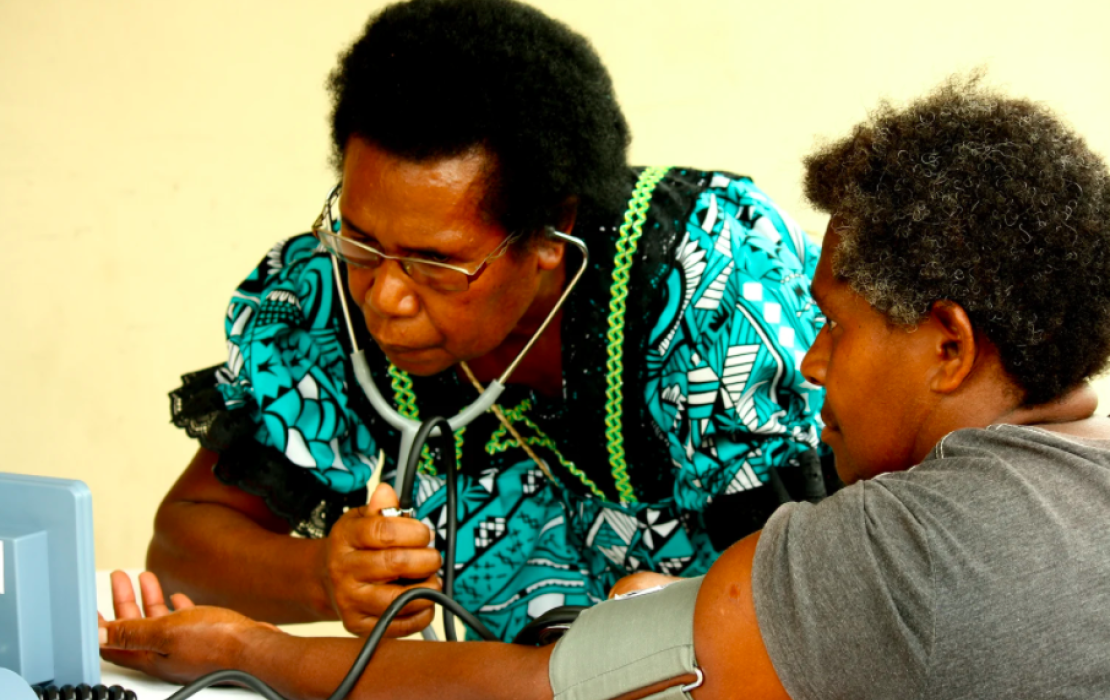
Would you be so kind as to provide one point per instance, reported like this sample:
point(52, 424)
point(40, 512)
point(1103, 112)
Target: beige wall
point(150, 152)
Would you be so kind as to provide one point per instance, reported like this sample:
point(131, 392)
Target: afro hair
point(990, 202)
point(434, 78)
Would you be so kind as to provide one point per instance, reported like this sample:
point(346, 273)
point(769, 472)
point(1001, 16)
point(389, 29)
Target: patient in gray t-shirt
point(987, 566)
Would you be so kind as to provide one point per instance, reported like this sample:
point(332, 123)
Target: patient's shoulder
point(1094, 428)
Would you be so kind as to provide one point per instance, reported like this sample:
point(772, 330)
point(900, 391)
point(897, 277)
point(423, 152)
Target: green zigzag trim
point(458, 446)
point(501, 441)
point(406, 405)
point(405, 398)
point(630, 232)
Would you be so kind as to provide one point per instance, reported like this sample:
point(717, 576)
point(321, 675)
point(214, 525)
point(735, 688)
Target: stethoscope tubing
point(409, 427)
point(413, 431)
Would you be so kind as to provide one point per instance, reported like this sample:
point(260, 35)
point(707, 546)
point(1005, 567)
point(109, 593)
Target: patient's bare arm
point(185, 645)
point(727, 640)
point(197, 640)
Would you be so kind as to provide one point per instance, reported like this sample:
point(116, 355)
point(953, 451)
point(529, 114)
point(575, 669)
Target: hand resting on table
point(174, 646)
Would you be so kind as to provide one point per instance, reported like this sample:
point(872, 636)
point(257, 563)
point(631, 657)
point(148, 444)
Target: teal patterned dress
point(660, 459)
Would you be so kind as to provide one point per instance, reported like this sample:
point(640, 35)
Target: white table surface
point(148, 688)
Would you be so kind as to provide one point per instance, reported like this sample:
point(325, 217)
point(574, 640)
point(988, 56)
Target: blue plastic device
point(48, 628)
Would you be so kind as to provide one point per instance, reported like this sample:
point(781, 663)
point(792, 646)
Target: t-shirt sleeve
point(724, 385)
point(844, 596)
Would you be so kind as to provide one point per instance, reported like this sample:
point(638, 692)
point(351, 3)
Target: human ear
point(568, 214)
point(549, 252)
point(955, 346)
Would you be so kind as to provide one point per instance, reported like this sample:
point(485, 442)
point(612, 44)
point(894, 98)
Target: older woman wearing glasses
point(658, 418)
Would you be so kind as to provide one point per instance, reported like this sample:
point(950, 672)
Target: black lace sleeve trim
point(290, 492)
point(198, 408)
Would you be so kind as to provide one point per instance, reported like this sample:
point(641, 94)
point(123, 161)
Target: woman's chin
point(421, 363)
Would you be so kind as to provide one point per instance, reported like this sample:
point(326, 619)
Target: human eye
point(444, 279)
point(358, 237)
point(358, 251)
point(434, 256)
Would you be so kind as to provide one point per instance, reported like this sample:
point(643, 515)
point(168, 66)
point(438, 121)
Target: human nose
point(391, 293)
point(816, 361)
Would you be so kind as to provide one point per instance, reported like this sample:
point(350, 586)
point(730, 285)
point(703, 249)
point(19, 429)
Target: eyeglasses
point(436, 275)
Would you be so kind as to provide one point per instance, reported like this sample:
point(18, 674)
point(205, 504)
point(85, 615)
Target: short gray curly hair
point(988, 201)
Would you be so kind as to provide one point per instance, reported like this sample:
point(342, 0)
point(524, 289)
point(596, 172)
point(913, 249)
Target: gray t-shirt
point(982, 572)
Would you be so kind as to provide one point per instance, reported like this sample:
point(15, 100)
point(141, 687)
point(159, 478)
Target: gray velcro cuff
point(619, 646)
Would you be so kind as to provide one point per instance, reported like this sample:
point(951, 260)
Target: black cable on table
point(228, 676)
point(376, 636)
point(364, 656)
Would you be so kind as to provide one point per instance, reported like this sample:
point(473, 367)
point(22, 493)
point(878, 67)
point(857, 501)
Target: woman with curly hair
point(479, 143)
point(965, 281)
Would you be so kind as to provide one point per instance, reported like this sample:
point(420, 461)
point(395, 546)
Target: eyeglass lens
point(363, 255)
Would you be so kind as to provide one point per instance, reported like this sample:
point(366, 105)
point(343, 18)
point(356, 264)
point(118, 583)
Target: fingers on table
point(154, 602)
point(181, 601)
point(127, 638)
point(123, 597)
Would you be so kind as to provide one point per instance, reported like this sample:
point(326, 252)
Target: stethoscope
point(413, 431)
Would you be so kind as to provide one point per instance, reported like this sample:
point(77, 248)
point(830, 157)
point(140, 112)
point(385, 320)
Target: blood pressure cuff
point(623, 645)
